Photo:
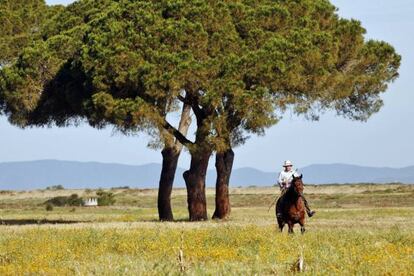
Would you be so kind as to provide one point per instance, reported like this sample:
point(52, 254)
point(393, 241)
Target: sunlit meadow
point(358, 229)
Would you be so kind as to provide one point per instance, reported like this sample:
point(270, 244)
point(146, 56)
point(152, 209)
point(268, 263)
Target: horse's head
point(297, 183)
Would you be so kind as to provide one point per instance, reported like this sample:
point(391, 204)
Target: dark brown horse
point(290, 207)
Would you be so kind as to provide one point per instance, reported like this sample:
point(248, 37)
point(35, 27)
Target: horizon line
point(238, 168)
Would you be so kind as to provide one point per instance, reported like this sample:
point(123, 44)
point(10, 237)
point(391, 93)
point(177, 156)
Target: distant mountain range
point(71, 174)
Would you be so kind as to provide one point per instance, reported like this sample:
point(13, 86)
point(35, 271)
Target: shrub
point(72, 200)
point(75, 200)
point(121, 188)
point(55, 187)
point(105, 198)
point(57, 201)
point(49, 207)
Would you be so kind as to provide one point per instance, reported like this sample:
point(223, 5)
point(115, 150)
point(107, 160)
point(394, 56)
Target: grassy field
point(358, 229)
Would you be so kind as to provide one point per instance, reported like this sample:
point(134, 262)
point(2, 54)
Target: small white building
point(91, 201)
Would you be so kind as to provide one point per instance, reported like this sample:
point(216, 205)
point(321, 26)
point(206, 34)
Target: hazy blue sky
point(387, 139)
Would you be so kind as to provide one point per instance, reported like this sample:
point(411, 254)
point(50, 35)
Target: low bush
point(55, 187)
point(105, 198)
point(49, 207)
point(121, 188)
point(72, 200)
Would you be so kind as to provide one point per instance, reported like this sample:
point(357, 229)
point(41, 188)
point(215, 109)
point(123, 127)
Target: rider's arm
point(280, 181)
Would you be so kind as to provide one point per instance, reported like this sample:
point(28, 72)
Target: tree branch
point(191, 101)
point(177, 134)
point(183, 100)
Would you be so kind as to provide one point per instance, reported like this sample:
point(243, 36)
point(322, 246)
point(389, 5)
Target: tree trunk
point(224, 165)
point(169, 166)
point(195, 180)
point(170, 155)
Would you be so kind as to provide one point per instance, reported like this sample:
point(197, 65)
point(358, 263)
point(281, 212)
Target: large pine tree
point(238, 64)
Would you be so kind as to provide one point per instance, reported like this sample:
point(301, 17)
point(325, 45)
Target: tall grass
point(355, 236)
point(231, 249)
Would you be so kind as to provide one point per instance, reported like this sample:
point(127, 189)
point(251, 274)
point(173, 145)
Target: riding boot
point(308, 210)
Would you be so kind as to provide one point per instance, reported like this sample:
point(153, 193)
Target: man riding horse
point(285, 180)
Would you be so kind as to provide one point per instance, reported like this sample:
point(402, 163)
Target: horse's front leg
point(281, 224)
point(302, 225)
point(290, 224)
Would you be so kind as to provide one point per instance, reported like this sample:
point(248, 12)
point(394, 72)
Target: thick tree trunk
point(224, 165)
point(170, 155)
point(169, 166)
point(195, 179)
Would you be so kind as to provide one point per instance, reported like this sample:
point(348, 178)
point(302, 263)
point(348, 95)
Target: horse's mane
point(296, 186)
point(297, 183)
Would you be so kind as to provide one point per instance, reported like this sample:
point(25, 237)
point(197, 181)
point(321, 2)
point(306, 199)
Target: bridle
point(294, 187)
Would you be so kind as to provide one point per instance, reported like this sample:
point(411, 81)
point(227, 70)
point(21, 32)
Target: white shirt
point(285, 177)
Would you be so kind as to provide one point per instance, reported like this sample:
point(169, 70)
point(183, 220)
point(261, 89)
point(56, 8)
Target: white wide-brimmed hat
point(287, 163)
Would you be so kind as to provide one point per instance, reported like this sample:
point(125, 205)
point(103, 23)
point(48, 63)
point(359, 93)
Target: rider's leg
point(279, 214)
point(308, 210)
point(278, 211)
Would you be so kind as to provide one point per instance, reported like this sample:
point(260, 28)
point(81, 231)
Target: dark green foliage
point(105, 198)
point(243, 63)
point(49, 206)
point(21, 22)
point(75, 200)
point(72, 200)
point(57, 201)
point(55, 187)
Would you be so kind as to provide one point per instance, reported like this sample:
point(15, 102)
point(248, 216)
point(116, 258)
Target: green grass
point(358, 229)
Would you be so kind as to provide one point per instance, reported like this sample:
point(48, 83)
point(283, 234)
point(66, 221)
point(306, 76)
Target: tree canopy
point(127, 63)
point(20, 23)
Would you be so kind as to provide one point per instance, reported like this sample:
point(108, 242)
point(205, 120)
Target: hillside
point(71, 174)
